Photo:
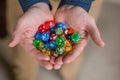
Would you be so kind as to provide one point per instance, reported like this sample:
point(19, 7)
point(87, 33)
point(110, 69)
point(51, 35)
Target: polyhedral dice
point(52, 37)
point(61, 25)
point(58, 31)
point(43, 50)
point(45, 36)
point(52, 45)
point(49, 24)
point(60, 41)
point(67, 46)
point(48, 52)
point(70, 31)
point(66, 32)
point(37, 36)
point(68, 37)
point(60, 50)
point(52, 30)
point(75, 37)
point(46, 46)
point(42, 28)
point(41, 44)
point(36, 43)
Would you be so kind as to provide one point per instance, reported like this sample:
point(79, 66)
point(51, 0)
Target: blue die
point(37, 36)
point(52, 45)
point(61, 25)
point(52, 30)
point(45, 36)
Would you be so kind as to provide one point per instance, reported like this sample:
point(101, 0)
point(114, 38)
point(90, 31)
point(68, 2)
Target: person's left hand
point(78, 19)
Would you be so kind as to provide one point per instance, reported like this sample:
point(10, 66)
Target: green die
point(60, 41)
point(36, 43)
point(59, 50)
point(75, 37)
point(58, 31)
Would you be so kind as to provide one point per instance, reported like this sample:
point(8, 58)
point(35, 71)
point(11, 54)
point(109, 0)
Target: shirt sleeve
point(26, 4)
point(85, 4)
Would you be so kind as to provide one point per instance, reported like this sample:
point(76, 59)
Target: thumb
point(95, 35)
point(16, 39)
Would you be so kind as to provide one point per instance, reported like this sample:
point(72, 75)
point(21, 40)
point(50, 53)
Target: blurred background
point(97, 63)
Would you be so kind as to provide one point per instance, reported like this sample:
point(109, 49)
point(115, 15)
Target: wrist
point(85, 4)
point(41, 6)
point(66, 6)
point(70, 7)
point(26, 4)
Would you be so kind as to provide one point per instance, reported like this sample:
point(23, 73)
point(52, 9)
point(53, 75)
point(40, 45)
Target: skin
point(77, 18)
point(26, 28)
point(72, 16)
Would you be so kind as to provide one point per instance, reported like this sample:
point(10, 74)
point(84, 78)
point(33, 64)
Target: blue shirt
point(85, 4)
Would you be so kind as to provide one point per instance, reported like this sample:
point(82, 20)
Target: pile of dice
point(55, 37)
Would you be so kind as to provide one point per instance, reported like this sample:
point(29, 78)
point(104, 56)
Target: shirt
point(85, 4)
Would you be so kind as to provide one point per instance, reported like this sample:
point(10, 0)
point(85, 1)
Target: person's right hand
point(26, 28)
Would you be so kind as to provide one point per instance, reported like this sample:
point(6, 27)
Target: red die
point(42, 28)
point(49, 24)
point(53, 37)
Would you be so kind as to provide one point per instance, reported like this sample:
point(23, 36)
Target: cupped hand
point(78, 19)
point(26, 28)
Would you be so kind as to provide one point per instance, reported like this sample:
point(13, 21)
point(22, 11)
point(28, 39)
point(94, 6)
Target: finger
point(16, 39)
point(27, 44)
point(77, 49)
point(59, 60)
point(52, 60)
point(57, 66)
point(16, 36)
point(54, 54)
point(95, 35)
point(57, 18)
point(46, 65)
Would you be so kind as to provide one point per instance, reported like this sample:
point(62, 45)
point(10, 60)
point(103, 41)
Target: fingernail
point(56, 68)
point(59, 62)
point(102, 44)
point(49, 68)
point(52, 60)
point(10, 45)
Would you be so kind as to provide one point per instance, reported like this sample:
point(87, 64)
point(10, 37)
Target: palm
point(83, 23)
point(30, 24)
point(25, 30)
